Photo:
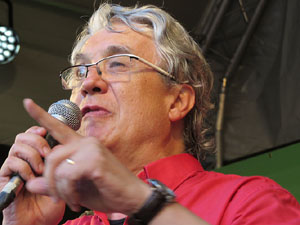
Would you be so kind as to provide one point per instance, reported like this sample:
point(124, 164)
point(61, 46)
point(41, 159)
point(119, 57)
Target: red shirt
point(217, 198)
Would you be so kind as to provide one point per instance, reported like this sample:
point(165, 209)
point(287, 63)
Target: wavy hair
point(180, 56)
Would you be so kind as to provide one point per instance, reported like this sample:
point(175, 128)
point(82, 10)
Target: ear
point(184, 102)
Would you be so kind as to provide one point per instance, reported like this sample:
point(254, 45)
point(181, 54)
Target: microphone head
point(67, 112)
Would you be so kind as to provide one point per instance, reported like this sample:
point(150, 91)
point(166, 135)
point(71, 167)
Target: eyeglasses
point(112, 68)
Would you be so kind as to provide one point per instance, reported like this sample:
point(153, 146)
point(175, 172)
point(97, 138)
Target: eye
point(80, 72)
point(118, 65)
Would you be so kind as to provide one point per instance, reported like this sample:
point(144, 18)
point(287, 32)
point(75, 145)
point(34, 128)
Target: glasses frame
point(158, 69)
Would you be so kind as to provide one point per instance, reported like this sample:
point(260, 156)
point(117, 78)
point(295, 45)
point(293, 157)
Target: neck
point(149, 152)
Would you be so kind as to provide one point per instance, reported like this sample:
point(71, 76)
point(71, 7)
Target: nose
point(93, 83)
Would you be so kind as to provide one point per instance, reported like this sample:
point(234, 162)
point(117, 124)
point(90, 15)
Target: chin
point(89, 131)
point(103, 135)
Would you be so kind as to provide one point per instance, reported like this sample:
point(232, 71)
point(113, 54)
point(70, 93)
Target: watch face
point(167, 192)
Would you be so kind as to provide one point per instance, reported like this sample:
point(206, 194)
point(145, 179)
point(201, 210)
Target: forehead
point(105, 42)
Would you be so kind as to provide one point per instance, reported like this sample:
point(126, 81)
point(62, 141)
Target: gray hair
point(180, 55)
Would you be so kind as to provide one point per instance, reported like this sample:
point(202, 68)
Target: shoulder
point(214, 185)
point(260, 200)
point(234, 199)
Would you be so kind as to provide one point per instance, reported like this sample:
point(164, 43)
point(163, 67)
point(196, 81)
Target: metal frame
point(207, 37)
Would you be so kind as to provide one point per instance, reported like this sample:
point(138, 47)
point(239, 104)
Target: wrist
point(138, 196)
point(158, 199)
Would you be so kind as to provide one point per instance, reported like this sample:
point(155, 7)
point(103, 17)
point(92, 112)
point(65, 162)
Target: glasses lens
point(118, 65)
point(116, 69)
point(73, 77)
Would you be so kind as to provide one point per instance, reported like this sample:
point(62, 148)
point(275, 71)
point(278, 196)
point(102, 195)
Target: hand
point(97, 180)
point(25, 158)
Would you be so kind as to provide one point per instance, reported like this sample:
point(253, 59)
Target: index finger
point(58, 130)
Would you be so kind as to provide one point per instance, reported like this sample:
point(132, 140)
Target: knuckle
point(30, 140)
point(18, 150)
point(33, 129)
point(9, 162)
point(14, 148)
point(8, 159)
point(4, 165)
point(16, 166)
point(19, 137)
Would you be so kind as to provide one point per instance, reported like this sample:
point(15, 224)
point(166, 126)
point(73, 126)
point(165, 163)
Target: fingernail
point(40, 129)
point(26, 100)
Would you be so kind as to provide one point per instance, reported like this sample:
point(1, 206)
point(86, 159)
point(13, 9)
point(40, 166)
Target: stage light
point(9, 40)
point(9, 44)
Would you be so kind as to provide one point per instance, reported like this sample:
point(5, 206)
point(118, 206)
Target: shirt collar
point(172, 170)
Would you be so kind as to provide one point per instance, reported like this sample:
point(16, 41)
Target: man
point(143, 88)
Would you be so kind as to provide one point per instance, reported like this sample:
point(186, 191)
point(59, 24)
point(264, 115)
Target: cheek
point(143, 109)
point(145, 98)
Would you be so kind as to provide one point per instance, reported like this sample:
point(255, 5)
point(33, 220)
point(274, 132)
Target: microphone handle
point(10, 191)
point(51, 141)
point(16, 183)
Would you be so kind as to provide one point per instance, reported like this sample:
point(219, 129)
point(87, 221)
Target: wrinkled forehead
point(116, 39)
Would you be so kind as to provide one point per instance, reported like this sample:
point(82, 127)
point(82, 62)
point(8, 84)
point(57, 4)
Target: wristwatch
point(161, 195)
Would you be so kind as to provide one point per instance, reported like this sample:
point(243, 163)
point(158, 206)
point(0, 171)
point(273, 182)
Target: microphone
point(65, 111)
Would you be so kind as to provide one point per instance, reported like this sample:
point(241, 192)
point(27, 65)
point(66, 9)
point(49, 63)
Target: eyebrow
point(110, 50)
point(116, 49)
point(81, 57)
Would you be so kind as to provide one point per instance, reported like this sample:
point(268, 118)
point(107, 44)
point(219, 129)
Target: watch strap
point(159, 197)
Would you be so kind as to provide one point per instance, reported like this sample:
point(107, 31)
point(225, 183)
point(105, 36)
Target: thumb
point(37, 185)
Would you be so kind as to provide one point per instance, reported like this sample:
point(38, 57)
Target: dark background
point(262, 111)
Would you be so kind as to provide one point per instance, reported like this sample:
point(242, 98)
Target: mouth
point(91, 110)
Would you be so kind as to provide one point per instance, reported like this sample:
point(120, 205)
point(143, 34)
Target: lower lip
point(98, 113)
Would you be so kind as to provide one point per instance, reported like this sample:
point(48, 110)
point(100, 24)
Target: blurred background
point(252, 46)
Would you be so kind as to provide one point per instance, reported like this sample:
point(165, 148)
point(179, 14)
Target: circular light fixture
point(9, 44)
